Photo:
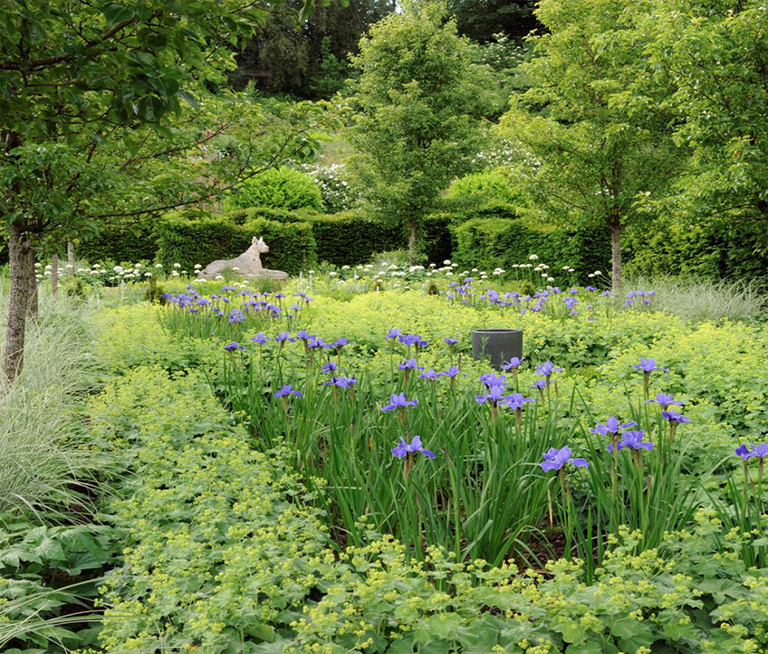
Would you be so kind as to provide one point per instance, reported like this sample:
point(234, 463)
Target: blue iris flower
point(547, 368)
point(341, 382)
point(664, 400)
point(404, 449)
point(490, 380)
point(675, 417)
point(633, 440)
point(513, 364)
point(399, 401)
point(410, 364)
point(611, 426)
point(494, 395)
point(452, 372)
point(648, 366)
point(287, 391)
point(555, 459)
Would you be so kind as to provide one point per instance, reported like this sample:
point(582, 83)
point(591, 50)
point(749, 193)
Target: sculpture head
point(260, 245)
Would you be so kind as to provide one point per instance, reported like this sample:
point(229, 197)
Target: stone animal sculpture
point(247, 264)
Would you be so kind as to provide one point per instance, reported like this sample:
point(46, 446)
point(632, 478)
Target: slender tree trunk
point(55, 274)
point(18, 301)
point(32, 302)
point(412, 240)
point(71, 258)
point(615, 249)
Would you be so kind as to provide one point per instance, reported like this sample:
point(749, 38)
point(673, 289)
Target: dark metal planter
point(498, 344)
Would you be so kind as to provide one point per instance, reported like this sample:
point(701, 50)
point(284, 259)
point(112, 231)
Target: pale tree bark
point(615, 225)
point(54, 274)
point(18, 302)
point(412, 240)
point(71, 258)
point(33, 300)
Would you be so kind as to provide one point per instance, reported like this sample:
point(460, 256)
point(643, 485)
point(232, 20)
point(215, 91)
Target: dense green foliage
point(278, 188)
point(481, 20)
point(420, 98)
point(309, 60)
point(489, 185)
point(716, 55)
point(120, 244)
point(700, 249)
point(487, 243)
point(592, 134)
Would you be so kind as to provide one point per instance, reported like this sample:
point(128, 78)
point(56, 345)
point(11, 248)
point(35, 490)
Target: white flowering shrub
point(335, 186)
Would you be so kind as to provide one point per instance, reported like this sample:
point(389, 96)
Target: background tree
point(481, 20)
point(716, 55)
point(593, 135)
point(89, 93)
point(312, 61)
point(420, 102)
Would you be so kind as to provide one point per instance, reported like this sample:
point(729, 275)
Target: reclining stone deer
point(248, 263)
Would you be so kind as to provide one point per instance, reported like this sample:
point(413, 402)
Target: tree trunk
point(18, 300)
point(71, 258)
point(615, 250)
point(32, 301)
point(412, 240)
point(55, 274)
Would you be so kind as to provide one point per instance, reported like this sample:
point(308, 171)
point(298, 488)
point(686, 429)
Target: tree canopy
point(421, 100)
point(592, 136)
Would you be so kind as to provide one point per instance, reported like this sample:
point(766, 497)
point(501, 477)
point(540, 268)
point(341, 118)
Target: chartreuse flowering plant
point(251, 528)
point(244, 535)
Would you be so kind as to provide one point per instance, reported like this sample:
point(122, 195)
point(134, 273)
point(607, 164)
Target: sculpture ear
point(254, 241)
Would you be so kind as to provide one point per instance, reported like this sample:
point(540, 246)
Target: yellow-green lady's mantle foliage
point(219, 549)
point(222, 557)
point(699, 601)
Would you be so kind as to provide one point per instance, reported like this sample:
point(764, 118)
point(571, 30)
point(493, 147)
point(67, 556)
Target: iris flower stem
point(747, 480)
point(614, 469)
point(565, 489)
point(549, 506)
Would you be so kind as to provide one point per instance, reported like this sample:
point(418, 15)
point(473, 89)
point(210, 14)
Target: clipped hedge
point(351, 238)
point(488, 186)
point(120, 244)
point(488, 243)
point(242, 216)
point(711, 249)
point(281, 188)
point(190, 242)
